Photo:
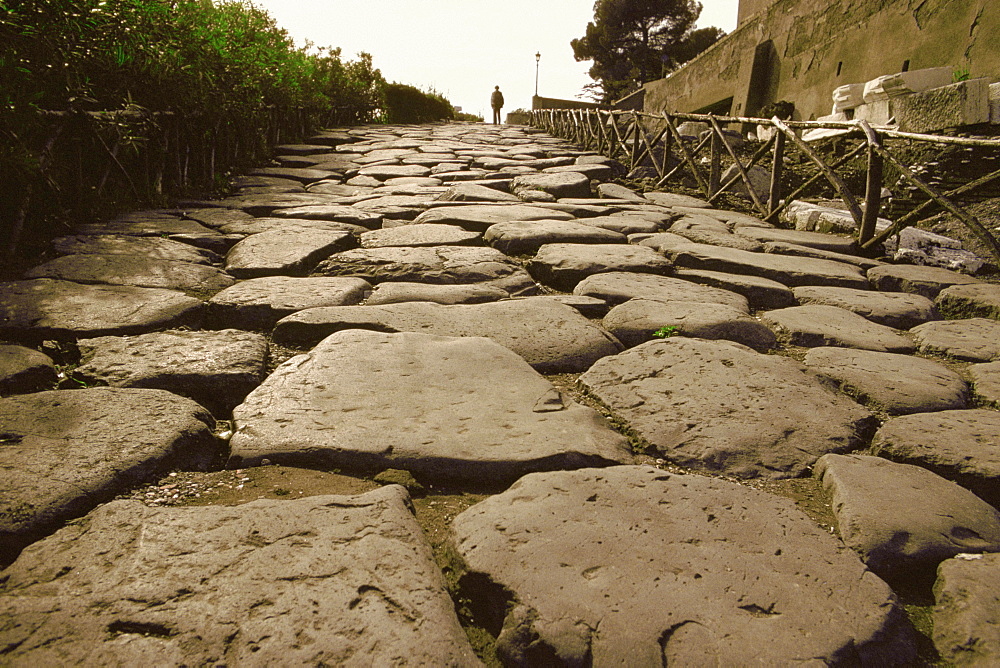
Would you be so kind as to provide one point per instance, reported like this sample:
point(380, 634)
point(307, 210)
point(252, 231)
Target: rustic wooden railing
point(636, 138)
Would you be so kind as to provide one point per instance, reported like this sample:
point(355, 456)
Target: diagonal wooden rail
point(654, 140)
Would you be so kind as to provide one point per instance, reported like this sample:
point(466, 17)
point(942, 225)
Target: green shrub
point(406, 104)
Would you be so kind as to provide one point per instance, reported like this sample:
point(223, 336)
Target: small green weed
point(960, 75)
point(666, 332)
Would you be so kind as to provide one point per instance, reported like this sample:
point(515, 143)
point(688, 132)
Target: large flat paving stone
point(901, 518)
point(479, 217)
point(618, 287)
point(919, 280)
point(421, 235)
point(899, 310)
point(135, 271)
point(635, 566)
point(259, 303)
point(66, 451)
point(114, 244)
point(340, 213)
point(967, 611)
point(439, 265)
point(960, 445)
point(398, 293)
point(46, 309)
point(473, 192)
point(144, 227)
point(261, 225)
point(519, 237)
point(563, 266)
point(444, 408)
point(720, 406)
point(784, 248)
point(568, 184)
point(787, 269)
point(552, 337)
point(284, 252)
point(817, 325)
point(324, 580)
point(817, 240)
point(972, 340)
point(896, 384)
point(215, 368)
point(24, 370)
point(638, 320)
point(986, 382)
point(761, 293)
point(975, 300)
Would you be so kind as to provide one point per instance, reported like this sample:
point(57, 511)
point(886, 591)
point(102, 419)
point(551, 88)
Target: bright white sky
point(463, 48)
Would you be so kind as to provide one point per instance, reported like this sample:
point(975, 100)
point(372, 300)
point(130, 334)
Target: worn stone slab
point(216, 217)
point(967, 611)
point(24, 370)
point(339, 213)
point(783, 248)
point(258, 303)
point(518, 237)
point(635, 566)
point(817, 325)
point(400, 292)
point(568, 184)
point(949, 106)
point(625, 223)
point(216, 368)
point(900, 310)
point(430, 234)
point(443, 408)
point(637, 321)
point(552, 337)
point(959, 445)
point(303, 175)
point(473, 192)
point(153, 247)
point(925, 281)
point(48, 309)
point(266, 204)
point(761, 293)
point(660, 241)
point(66, 451)
point(618, 287)
point(268, 224)
point(817, 240)
point(597, 172)
point(134, 271)
point(217, 244)
point(288, 252)
point(323, 580)
point(675, 199)
point(896, 384)
point(563, 266)
point(902, 518)
point(734, 219)
point(790, 270)
point(719, 406)
point(616, 191)
point(440, 265)
point(971, 340)
point(725, 238)
point(986, 382)
point(385, 172)
point(479, 217)
point(980, 300)
point(145, 227)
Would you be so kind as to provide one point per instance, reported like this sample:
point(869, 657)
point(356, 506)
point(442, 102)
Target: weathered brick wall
point(803, 49)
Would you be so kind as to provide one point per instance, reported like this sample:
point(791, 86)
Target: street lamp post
point(538, 58)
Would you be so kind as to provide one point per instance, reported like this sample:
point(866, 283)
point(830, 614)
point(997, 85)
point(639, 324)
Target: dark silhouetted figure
point(496, 101)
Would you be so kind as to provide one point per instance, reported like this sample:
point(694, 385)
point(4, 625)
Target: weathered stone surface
point(949, 106)
point(897, 384)
point(674, 199)
point(385, 172)
point(616, 191)
point(24, 370)
point(618, 287)
point(592, 171)
point(787, 269)
point(289, 252)
point(216, 369)
point(478, 217)
point(216, 217)
point(151, 227)
point(926, 281)
point(761, 293)
point(462, 409)
point(900, 517)
point(473, 192)
point(260, 302)
point(301, 174)
point(429, 234)
point(816, 325)
point(967, 611)
point(135, 271)
point(261, 225)
point(661, 241)
point(332, 212)
point(66, 451)
point(625, 223)
point(635, 566)
point(568, 184)
point(400, 292)
point(972, 340)
point(563, 266)
point(324, 580)
point(899, 310)
point(817, 240)
point(703, 235)
point(959, 445)
point(526, 237)
point(720, 406)
point(784, 248)
point(45, 309)
point(552, 337)
point(152, 247)
point(980, 300)
point(637, 320)
point(986, 381)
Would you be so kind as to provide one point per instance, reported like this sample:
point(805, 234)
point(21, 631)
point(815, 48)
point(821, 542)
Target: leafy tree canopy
point(635, 41)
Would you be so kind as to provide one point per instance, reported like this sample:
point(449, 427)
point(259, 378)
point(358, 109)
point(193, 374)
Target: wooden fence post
point(873, 185)
point(777, 168)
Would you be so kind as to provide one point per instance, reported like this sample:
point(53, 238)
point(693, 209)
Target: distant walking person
point(496, 101)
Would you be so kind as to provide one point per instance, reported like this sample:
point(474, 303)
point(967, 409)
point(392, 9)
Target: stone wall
point(800, 50)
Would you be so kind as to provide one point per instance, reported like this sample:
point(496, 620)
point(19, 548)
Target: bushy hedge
point(406, 104)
